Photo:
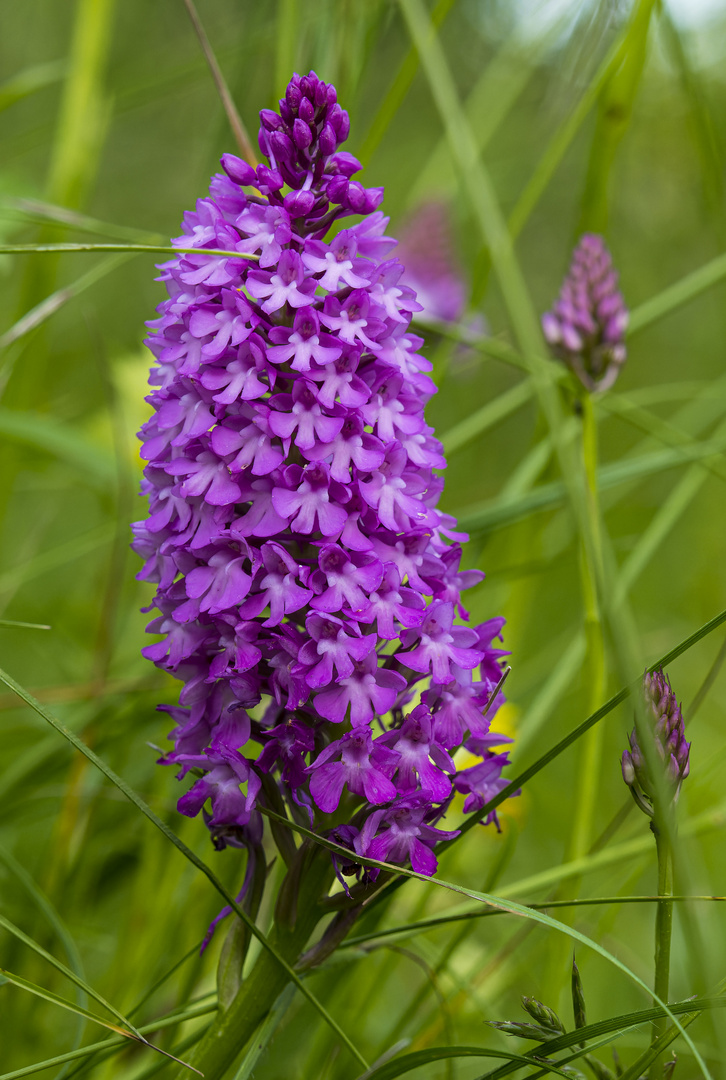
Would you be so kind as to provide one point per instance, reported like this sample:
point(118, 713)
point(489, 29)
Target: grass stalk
point(663, 930)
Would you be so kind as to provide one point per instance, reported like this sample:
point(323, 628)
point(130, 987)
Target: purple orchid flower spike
point(670, 751)
point(586, 326)
point(302, 568)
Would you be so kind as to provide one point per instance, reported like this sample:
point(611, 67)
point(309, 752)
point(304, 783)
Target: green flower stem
point(663, 929)
point(234, 1027)
point(591, 570)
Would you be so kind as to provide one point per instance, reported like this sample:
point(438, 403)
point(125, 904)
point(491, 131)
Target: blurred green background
point(109, 110)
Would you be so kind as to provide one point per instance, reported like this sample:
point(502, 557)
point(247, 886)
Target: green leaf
point(42, 311)
point(136, 799)
point(164, 249)
point(488, 415)
point(264, 1033)
point(400, 1066)
point(497, 513)
point(29, 81)
point(676, 295)
point(11, 624)
point(61, 441)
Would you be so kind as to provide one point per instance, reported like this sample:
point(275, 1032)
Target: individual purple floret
point(665, 719)
point(586, 326)
point(308, 590)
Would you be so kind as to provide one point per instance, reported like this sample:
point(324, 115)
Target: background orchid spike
point(307, 586)
point(587, 323)
point(666, 720)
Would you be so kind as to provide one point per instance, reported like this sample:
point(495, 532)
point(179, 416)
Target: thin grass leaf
point(42, 311)
point(423, 925)
point(165, 249)
point(74, 978)
point(84, 111)
point(654, 1050)
point(497, 901)
point(496, 513)
point(487, 416)
point(611, 1025)
point(54, 999)
point(264, 1034)
point(235, 120)
point(688, 288)
point(113, 1045)
point(398, 89)
point(58, 556)
point(405, 1064)
point(614, 114)
point(29, 81)
point(61, 441)
point(136, 799)
point(11, 624)
point(561, 141)
point(39, 211)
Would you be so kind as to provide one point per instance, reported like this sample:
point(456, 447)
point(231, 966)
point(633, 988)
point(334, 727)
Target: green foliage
point(109, 126)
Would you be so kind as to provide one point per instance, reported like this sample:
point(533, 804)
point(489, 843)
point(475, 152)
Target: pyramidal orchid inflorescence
point(586, 326)
point(666, 731)
point(308, 590)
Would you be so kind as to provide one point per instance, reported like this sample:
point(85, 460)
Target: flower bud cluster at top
point(306, 583)
point(663, 713)
point(587, 324)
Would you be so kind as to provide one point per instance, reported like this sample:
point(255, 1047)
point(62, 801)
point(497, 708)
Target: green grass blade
point(29, 81)
point(42, 311)
point(478, 422)
point(84, 109)
point(423, 925)
point(108, 1044)
point(44, 212)
point(560, 143)
point(11, 624)
point(405, 1064)
point(60, 441)
point(164, 249)
point(504, 904)
point(614, 115)
point(496, 513)
point(74, 978)
point(594, 718)
point(136, 799)
point(689, 287)
point(400, 86)
point(264, 1034)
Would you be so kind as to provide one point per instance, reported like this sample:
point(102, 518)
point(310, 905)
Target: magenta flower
point(307, 584)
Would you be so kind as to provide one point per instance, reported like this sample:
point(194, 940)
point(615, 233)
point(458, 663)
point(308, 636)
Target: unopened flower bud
point(586, 326)
point(665, 727)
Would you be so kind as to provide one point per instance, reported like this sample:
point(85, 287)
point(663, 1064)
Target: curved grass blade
point(18, 933)
point(559, 144)
point(676, 295)
point(146, 810)
point(113, 1044)
point(496, 513)
point(57, 300)
point(62, 441)
point(235, 120)
point(39, 211)
point(501, 903)
point(615, 1024)
point(402, 1065)
point(54, 999)
point(433, 923)
point(164, 249)
point(29, 81)
point(492, 413)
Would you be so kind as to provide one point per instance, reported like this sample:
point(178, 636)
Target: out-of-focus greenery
point(109, 111)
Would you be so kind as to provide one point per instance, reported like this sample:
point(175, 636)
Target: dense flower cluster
point(587, 324)
point(663, 714)
point(307, 585)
